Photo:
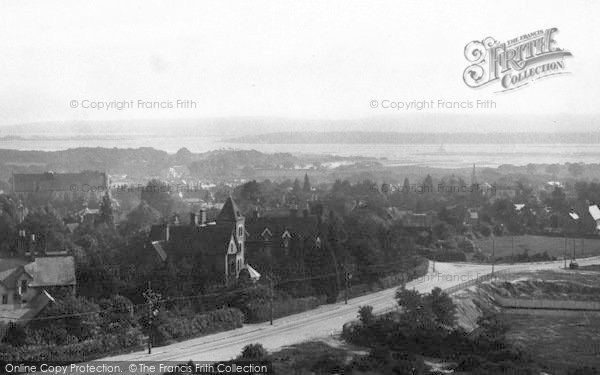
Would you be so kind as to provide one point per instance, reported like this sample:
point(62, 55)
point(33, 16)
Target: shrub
point(365, 313)
point(177, 326)
point(253, 351)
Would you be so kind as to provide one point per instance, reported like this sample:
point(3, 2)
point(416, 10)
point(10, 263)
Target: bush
point(253, 352)
point(75, 352)
point(172, 325)
point(365, 314)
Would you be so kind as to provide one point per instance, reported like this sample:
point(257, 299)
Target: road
point(323, 321)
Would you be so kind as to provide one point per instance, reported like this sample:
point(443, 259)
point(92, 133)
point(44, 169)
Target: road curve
point(324, 320)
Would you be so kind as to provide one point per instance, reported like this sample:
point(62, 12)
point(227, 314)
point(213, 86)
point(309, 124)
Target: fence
point(546, 304)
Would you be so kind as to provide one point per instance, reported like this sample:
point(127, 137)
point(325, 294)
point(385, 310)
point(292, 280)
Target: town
point(80, 268)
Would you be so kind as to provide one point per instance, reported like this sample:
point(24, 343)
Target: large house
point(89, 184)
point(276, 235)
point(27, 285)
point(220, 244)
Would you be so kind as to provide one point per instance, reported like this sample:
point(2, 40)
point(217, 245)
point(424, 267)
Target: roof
point(229, 212)
point(208, 239)
point(49, 181)
point(52, 271)
point(11, 269)
point(301, 226)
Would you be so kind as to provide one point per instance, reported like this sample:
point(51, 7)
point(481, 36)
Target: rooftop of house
point(50, 181)
point(44, 271)
point(295, 225)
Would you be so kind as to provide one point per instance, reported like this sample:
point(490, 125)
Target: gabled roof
point(52, 271)
point(44, 271)
point(210, 239)
point(10, 270)
point(301, 226)
point(229, 212)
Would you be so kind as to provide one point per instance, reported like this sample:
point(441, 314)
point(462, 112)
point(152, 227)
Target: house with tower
point(218, 245)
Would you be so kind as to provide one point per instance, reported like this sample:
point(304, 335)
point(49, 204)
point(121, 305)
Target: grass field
point(550, 338)
point(555, 246)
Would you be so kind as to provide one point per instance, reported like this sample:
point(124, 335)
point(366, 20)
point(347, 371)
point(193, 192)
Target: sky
point(319, 60)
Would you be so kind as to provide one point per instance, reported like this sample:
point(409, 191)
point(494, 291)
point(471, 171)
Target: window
point(23, 286)
point(240, 231)
point(4, 299)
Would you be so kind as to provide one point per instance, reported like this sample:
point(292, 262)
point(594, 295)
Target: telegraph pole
point(512, 247)
point(565, 256)
point(347, 277)
point(493, 251)
point(152, 299)
point(271, 298)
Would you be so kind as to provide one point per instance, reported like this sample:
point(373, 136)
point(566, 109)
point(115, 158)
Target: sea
point(431, 155)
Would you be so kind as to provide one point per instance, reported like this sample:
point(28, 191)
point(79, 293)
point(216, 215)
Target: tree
point(141, 218)
point(553, 169)
point(365, 314)
point(442, 307)
point(406, 185)
point(576, 169)
point(296, 190)
point(106, 212)
point(158, 195)
point(428, 184)
point(48, 228)
point(415, 311)
point(251, 191)
point(306, 186)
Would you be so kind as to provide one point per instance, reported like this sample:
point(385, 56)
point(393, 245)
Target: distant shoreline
point(417, 138)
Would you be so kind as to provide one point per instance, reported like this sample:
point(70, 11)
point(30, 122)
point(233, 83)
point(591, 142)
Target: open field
point(549, 338)
point(555, 246)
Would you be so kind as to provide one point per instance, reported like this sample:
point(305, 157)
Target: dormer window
point(286, 238)
point(266, 234)
point(318, 242)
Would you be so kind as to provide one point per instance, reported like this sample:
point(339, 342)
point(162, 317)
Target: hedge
point(81, 351)
point(260, 310)
point(175, 326)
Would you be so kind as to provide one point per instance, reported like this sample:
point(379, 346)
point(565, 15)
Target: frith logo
point(515, 63)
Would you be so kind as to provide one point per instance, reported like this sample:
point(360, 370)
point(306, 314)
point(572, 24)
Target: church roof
point(229, 212)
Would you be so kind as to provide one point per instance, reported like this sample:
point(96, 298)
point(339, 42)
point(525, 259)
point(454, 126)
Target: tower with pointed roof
point(231, 215)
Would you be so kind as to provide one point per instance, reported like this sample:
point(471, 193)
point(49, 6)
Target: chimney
point(255, 213)
point(22, 242)
point(32, 247)
point(193, 219)
point(202, 216)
